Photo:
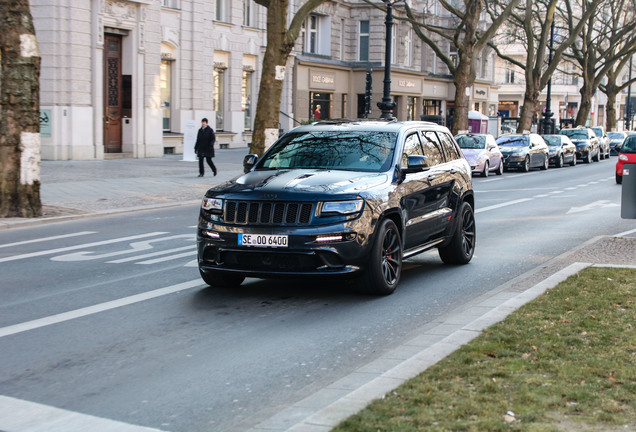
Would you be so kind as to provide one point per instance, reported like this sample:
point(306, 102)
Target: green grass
point(564, 362)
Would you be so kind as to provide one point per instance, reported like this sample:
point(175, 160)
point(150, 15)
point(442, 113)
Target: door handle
point(430, 177)
point(453, 171)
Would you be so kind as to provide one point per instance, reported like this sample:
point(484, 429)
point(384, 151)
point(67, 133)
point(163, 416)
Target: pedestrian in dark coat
point(204, 147)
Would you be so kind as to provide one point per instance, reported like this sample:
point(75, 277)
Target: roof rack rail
point(356, 120)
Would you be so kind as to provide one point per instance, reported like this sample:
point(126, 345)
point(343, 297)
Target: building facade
point(128, 77)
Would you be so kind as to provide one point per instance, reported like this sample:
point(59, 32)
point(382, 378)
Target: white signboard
point(189, 139)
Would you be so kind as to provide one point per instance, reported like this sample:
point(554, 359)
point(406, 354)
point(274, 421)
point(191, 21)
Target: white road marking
point(134, 247)
point(40, 240)
point(625, 233)
point(91, 310)
point(25, 416)
point(505, 204)
point(168, 258)
point(541, 196)
point(150, 255)
point(82, 246)
point(592, 206)
point(492, 180)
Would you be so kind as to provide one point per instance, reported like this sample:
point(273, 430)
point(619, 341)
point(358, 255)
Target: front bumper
point(514, 161)
point(304, 256)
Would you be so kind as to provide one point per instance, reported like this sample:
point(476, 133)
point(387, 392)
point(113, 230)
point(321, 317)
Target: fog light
point(212, 234)
point(329, 238)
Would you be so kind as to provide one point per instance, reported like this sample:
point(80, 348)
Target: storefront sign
point(406, 83)
point(480, 92)
point(45, 122)
point(322, 80)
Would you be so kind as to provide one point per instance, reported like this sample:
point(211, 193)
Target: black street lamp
point(548, 122)
point(628, 105)
point(387, 105)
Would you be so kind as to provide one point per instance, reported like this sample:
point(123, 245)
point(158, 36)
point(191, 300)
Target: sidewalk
point(72, 189)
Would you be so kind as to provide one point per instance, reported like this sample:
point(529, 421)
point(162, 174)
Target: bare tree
point(280, 41)
point(611, 88)
point(19, 112)
point(468, 35)
point(606, 38)
point(532, 28)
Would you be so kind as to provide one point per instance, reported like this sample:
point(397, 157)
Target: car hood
point(473, 154)
point(519, 149)
point(275, 184)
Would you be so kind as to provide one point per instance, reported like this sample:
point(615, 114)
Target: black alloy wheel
point(385, 263)
point(461, 247)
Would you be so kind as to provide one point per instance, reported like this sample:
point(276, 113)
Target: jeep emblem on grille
point(270, 196)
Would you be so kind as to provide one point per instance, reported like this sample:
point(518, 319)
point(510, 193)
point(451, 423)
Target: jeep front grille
point(267, 213)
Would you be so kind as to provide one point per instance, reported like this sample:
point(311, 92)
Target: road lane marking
point(492, 180)
point(91, 310)
point(133, 248)
point(25, 416)
point(40, 240)
point(505, 204)
point(169, 258)
point(150, 255)
point(592, 206)
point(82, 246)
point(625, 233)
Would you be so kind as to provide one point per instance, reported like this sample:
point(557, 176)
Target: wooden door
point(112, 94)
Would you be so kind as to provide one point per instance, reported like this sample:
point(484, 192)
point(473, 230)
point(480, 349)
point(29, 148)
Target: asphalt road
point(108, 317)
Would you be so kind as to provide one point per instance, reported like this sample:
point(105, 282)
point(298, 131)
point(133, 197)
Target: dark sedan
point(616, 141)
point(524, 151)
point(586, 141)
point(562, 150)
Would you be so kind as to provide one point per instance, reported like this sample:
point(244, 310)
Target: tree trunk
point(610, 108)
point(530, 103)
point(586, 105)
point(19, 112)
point(463, 80)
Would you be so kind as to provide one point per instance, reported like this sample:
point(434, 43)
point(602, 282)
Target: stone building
point(126, 78)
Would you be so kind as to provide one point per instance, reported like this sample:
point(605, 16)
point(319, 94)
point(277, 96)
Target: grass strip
point(563, 362)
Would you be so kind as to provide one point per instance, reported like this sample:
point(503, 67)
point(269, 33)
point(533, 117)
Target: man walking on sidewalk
point(204, 147)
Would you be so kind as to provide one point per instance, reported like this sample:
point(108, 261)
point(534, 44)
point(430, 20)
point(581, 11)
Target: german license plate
point(263, 240)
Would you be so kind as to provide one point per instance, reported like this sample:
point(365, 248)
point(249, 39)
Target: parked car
point(616, 141)
point(603, 141)
point(586, 141)
point(627, 154)
point(482, 153)
point(524, 151)
point(562, 150)
point(340, 199)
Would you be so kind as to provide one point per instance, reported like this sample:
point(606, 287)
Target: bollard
point(628, 197)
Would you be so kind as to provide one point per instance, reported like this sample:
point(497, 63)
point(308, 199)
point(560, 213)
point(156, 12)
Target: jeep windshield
point(515, 141)
point(471, 141)
point(332, 150)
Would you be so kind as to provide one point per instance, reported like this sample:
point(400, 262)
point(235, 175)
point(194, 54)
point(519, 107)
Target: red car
point(627, 154)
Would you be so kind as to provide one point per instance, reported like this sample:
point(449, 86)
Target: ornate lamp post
point(387, 105)
point(548, 122)
point(628, 105)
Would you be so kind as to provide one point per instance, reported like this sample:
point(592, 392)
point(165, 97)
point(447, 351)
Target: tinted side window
point(412, 147)
point(432, 148)
point(452, 152)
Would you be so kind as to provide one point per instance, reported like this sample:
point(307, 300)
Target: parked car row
point(525, 151)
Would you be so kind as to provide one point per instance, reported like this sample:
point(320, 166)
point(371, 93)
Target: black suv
point(349, 198)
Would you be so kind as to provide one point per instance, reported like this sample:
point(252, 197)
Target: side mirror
point(248, 162)
point(416, 164)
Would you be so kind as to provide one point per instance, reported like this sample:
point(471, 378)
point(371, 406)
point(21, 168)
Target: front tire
point(573, 163)
point(526, 164)
point(588, 158)
point(484, 173)
point(546, 163)
point(221, 280)
point(383, 274)
point(597, 157)
point(559, 162)
point(461, 248)
point(619, 179)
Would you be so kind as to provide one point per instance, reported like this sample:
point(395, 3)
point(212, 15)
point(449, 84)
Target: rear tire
point(500, 169)
point(383, 274)
point(221, 280)
point(461, 247)
point(484, 173)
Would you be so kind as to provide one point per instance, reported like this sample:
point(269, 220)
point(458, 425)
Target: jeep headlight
point(341, 207)
point(212, 205)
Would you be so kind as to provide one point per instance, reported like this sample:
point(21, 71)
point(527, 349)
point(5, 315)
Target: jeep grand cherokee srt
point(340, 199)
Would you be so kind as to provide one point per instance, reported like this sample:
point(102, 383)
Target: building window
point(411, 108)
point(510, 76)
point(249, 13)
point(454, 58)
point(172, 4)
point(246, 97)
point(166, 93)
point(394, 44)
point(312, 42)
point(363, 41)
point(219, 96)
point(342, 33)
point(221, 10)
point(344, 107)
point(320, 105)
point(432, 107)
point(408, 48)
